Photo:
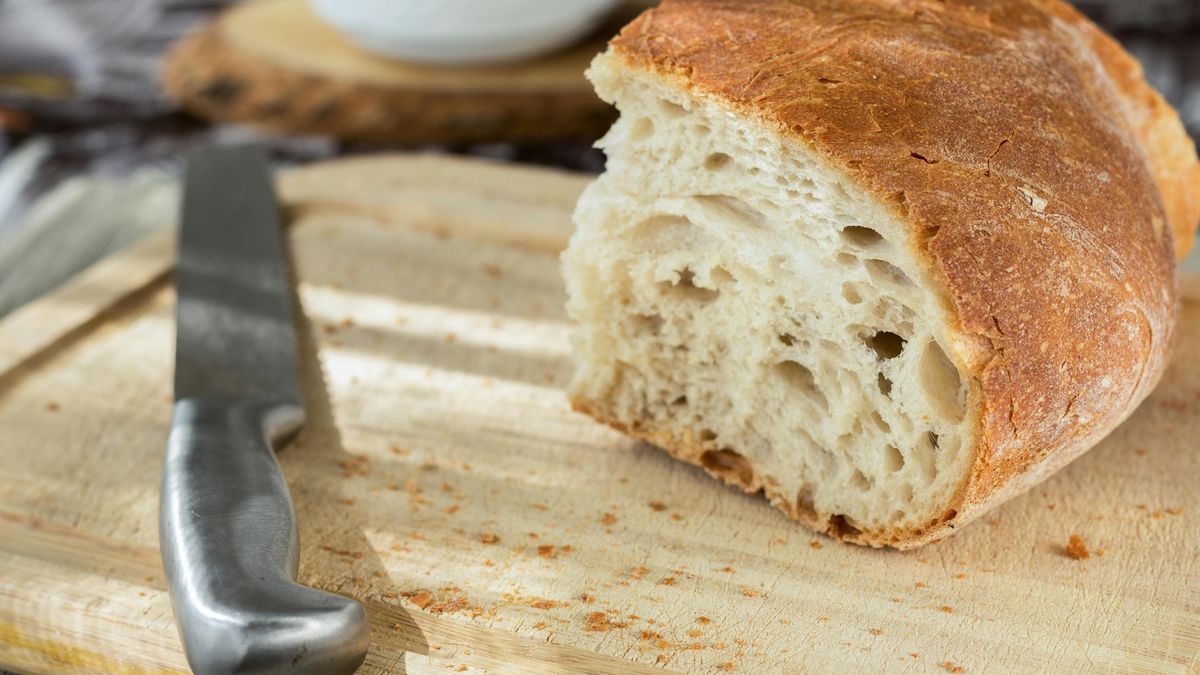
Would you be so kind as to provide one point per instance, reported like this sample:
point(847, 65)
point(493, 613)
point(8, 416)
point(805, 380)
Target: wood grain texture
point(443, 481)
point(273, 63)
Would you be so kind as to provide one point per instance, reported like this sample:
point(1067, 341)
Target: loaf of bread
point(890, 262)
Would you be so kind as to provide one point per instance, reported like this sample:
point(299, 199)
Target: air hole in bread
point(847, 259)
point(800, 378)
point(726, 208)
point(851, 294)
point(882, 271)
point(642, 129)
point(840, 526)
point(673, 109)
point(941, 382)
point(880, 423)
point(893, 459)
point(786, 339)
point(708, 435)
point(886, 345)
point(859, 480)
point(648, 323)
point(729, 465)
point(716, 160)
point(679, 400)
point(884, 383)
point(932, 438)
point(860, 237)
point(685, 288)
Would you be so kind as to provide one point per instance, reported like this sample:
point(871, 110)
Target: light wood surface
point(275, 64)
point(443, 481)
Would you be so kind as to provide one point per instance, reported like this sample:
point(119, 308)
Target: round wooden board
point(274, 64)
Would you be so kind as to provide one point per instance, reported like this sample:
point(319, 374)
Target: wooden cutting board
point(444, 482)
point(273, 63)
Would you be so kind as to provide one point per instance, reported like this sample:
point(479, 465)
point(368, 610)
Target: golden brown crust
point(1037, 171)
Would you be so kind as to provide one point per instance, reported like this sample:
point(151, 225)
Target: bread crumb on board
point(598, 622)
point(949, 667)
point(1076, 548)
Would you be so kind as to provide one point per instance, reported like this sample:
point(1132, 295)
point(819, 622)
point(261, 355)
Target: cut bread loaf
point(890, 263)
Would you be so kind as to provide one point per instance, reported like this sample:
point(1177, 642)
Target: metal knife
point(226, 524)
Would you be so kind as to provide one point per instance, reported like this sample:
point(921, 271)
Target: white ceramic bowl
point(460, 32)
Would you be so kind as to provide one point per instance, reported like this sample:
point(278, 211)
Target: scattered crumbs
point(544, 603)
point(915, 655)
point(622, 480)
point(638, 572)
point(421, 598)
point(696, 646)
point(781, 540)
point(650, 635)
point(462, 667)
point(52, 406)
point(446, 487)
point(658, 506)
point(666, 581)
point(897, 599)
point(947, 609)
point(1175, 512)
point(598, 622)
point(348, 501)
point(876, 631)
point(1140, 507)
point(749, 592)
point(451, 337)
point(453, 508)
point(488, 538)
point(148, 578)
point(347, 323)
point(492, 271)
point(786, 622)
point(634, 616)
point(566, 548)
point(547, 551)
point(676, 516)
point(466, 466)
point(949, 667)
point(1100, 552)
point(920, 584)
point(823, 619)
point(587, 598)
point(727, 569)
point(960, 575)
point(539, 625)
point(540, 506)
point(727, 666)
point(1156, 515)
point(703, 620)
point(393, 487)
point(695, 632)
point(661, 643)
point(412, 487)
point(719, 645)
point(533, 535)
point(488, 562)
point(608, 519)
point(814, 544)
point(1076, 548)
point(1139, 451)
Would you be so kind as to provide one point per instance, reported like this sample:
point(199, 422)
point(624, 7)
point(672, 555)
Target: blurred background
point(99, 97)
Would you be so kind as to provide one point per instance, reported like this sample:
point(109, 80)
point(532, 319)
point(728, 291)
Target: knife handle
point(231, 551)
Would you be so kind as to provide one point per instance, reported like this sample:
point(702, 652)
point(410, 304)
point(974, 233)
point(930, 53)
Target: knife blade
point(226, 523)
